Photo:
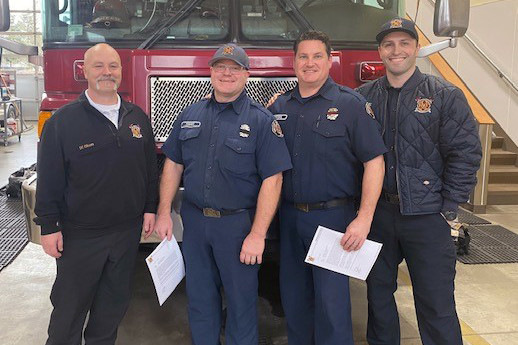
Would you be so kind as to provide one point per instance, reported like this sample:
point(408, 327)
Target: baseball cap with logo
point(232, 52)
point(397, 24)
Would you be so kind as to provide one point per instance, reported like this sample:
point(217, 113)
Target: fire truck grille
point(169, 96)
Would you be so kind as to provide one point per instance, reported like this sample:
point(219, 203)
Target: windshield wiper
point(299, 17)
point(162, 29)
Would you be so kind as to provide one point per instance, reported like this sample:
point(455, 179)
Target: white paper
point(326, 252)
point(167, 268)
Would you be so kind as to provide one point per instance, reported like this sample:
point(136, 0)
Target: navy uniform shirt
point(329, 136)
point(389, 135)
point(227, 150)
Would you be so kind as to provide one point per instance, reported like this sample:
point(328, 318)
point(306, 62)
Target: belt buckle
point(210, 212)
point(392, 198)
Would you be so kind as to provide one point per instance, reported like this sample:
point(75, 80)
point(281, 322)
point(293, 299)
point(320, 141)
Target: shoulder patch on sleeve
point(368, 109)
point(276, 129)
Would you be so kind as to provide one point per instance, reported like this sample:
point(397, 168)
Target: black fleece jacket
point(92, 177)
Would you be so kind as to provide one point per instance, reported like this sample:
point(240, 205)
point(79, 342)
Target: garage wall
point(29, 88)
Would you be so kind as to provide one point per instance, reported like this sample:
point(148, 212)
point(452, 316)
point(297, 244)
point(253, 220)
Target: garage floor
point(487, 295)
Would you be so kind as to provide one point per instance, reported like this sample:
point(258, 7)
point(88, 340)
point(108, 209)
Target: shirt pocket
point(329, 138)
point(239, 156)
point(190, 144)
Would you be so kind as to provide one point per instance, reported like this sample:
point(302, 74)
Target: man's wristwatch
point(449, 215)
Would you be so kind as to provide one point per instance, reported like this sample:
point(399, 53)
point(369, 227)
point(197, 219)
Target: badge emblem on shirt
point(424, 105)
point(276, 129)
point(332, 114)
point(244, 131)
point(368, 109)
point(135, 130)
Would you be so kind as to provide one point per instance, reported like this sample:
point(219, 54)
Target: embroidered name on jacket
point(86, 146)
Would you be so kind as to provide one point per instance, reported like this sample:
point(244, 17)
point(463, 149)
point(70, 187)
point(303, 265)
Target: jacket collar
point(124, 109)
point(410, 84)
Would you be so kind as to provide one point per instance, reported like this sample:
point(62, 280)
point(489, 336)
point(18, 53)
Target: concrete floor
point(487, 295)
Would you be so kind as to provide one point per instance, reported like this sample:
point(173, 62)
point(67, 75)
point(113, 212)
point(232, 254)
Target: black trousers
point(93, 275)
point(425, 243)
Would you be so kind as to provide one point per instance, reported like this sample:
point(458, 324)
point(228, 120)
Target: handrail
point(488, 60)
point(501, 74)
point(480, 113)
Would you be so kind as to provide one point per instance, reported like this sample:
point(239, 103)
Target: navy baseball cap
point(397, 24)
point(232, 52)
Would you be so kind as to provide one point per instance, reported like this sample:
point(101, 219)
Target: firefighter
point(430, 168)
point(231, 154)
point(332, 136)
point(97, 190)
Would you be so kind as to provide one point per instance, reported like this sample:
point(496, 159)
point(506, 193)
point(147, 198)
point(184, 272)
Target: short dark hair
point(313, 36)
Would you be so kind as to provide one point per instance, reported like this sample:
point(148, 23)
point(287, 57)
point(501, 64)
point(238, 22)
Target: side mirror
point(451, 18)
point(5, 17)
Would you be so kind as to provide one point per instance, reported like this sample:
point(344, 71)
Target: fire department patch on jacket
point(424, 105)
point(332, 114)
point(135, 130)
point(368, 109)
point(276, 129)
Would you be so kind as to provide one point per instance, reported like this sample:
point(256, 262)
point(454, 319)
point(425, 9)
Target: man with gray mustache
point(96, 193)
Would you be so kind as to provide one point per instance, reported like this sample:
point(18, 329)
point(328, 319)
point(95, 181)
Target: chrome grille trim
point(170, 95)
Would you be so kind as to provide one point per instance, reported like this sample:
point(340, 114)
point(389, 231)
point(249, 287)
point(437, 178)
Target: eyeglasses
point(220, 68)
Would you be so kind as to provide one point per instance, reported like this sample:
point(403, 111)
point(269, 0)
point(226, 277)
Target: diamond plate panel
point(170, 95)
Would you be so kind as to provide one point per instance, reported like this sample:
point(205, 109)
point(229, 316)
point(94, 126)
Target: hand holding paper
point(167, 268)
point(326, 252)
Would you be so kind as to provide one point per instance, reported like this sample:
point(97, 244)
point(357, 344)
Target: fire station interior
point(486, 286)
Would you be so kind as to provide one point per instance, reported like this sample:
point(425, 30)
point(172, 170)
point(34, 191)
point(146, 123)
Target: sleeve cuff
point(150, 208)
point(47, 229)
point(449, 205)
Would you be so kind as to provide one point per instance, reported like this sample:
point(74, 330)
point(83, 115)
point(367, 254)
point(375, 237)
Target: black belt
point(322, 205)
point(210, 212)
point(390, 198)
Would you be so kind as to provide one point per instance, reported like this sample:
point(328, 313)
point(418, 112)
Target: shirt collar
point(103, 106)
point(326, 91)
point(238, 104)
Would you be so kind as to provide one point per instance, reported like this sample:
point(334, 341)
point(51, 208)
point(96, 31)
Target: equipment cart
point(12, 123)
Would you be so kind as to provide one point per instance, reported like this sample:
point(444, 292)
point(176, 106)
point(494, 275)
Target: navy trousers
point(424, 241)
point(316, 301)
point(211, 248)
point(93, 275)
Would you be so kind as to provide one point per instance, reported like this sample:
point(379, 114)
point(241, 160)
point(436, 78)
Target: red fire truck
point(165, 46)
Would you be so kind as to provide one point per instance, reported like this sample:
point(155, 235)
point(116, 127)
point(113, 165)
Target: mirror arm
point(438, 46)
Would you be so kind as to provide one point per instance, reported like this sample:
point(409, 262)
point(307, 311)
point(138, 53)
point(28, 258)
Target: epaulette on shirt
point(353, 93)
point(260, 107)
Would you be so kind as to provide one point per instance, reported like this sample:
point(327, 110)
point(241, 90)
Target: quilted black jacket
point(437, 144)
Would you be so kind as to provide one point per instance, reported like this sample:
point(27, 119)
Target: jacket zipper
point(395, 147)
